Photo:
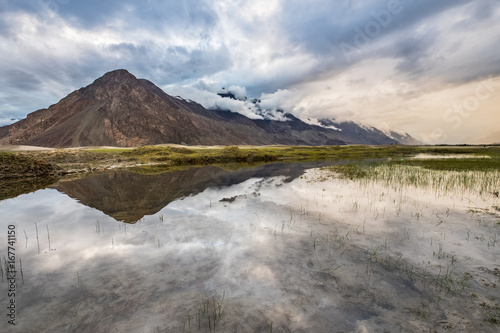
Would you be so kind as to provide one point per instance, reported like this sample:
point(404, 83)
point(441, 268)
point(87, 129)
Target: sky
point(426, 67)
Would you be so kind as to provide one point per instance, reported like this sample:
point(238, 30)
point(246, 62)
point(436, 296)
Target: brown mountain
point(120, 110)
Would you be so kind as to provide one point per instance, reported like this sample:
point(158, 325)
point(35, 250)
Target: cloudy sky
point(427, 67)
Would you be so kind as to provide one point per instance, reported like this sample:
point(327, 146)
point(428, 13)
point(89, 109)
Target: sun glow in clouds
point(399, 64)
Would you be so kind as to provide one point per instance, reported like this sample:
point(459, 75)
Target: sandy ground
point(14, 148)
point(23, 148)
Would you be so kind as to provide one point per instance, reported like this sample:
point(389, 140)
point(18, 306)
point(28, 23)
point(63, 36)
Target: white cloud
point(238, 91)
point(285, 52)
point(211, 100)
point(283, 99)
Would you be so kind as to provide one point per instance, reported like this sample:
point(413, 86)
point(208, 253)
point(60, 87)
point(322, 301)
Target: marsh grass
point(400, 177)
point(37, 239)
point(21, 270)
point(462, 178)
point(175, 156)
point(161, 159)
point(98, 227)
point(26, 246)
point(208, 316)
point(48, 236)
point(447, 279)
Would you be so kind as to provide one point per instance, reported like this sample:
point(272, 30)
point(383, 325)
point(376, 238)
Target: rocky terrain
point(120, 110)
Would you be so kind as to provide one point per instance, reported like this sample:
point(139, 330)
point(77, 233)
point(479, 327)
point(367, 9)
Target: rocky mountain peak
point(116, 76)
point(120, 110)
point(113, 84)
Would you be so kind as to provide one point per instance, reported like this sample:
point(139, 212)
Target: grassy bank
point(23, 174)
point(443, 173)
point(203, 156)
point(14, 166)
point(20, 171)
point(85, 160)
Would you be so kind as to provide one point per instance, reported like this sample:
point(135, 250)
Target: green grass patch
point(455, 164)
point(17, 166)
point(83, 159)
point(441, 176)
point(348, 171)
point(185, 156)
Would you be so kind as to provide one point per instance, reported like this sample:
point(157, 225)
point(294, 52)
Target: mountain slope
point(492, 138)
point(120, 110)
point(367, 134)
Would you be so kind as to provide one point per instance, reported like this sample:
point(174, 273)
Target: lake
point(284, 247)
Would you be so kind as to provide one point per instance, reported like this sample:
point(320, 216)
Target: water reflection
point(128, 196)
point(298, 253)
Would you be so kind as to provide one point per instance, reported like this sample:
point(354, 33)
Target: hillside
point(120, 110)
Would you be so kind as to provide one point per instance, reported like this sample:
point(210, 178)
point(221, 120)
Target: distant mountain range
point(118, 109)
point(492, 138)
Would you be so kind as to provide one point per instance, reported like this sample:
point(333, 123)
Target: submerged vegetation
point(442, 182)
point(433, 206)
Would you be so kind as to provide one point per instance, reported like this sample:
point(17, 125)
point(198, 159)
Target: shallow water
point(447, 156)
point(275, 246)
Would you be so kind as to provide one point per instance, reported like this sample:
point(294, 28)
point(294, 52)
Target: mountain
point(492, 138)
point(403, 138)
point(367, 134)
point(118, 109)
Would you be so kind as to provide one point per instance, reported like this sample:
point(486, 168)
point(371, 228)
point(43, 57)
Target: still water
point(280, 247)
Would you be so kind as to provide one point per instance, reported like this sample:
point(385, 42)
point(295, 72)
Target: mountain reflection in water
point(127, 196)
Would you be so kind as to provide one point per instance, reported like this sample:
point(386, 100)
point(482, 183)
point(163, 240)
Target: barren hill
point(120, 110)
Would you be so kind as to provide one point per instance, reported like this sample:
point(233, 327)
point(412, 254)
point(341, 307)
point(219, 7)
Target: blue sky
point(431, 68)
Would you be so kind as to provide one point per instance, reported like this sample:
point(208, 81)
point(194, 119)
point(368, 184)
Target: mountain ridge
point(118, 109)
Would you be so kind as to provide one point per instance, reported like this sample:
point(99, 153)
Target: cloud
point(238, 91)
point(282, 99)
point(211, 100)
point(350, 59)
point(268, 106)
point(16, 78)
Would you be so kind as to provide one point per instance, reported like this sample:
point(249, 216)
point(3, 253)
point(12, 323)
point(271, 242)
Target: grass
point(17, 166)
point(37, 239)
point(347, 171)
point(184, 156)
point(474, 172)
point(208, 314)
point(24, 172)
point(94, 159)
point(447, 279)
point(469, 164)
point(444, 176)
point(48, 236)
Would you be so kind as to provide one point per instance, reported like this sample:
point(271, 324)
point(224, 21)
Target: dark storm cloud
point(261, 46)
point(167, 65)
point(19, 79)
point(141, 14)
point(341, 34)
point(411, 51)
point(337, 34)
